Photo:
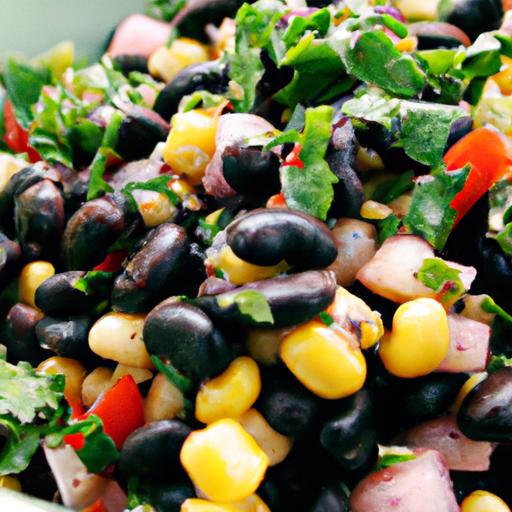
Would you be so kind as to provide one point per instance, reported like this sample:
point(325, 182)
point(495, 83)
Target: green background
point(32, 26)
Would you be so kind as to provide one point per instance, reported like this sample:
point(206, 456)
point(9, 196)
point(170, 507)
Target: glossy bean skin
point(141, 130)
point(184, 334)
point(331, 499)
point(58, 296)
point(19, 335)
point(93, 229)
point(10, 259)
point(152, 451)
point(152, 272)
point(210, 76)
point(349, 434)
point(292, 299)
point(67, 337)
point(268, 236)
point(476, 16)
point(288, 407)
point(191, 22)
point(251, 171)
point(39, 220)
point(169, 498)
point(486, 412)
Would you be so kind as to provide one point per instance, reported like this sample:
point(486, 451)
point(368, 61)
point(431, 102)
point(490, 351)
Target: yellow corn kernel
point(504, 77)
point(414, 10)
point(191, 143)
point(466, 388)
point(31, 277)
point(264, 345)
point(419, 340)
point(9, 166)
point(368, 160)
point(73, 371)
point(224, 461)
point(252, 504)
point(375, 211)
point(326, 361)
point(166, 63)
point(10, 482)
point(231, 393)
point(240, 272)
point(182, 188)
point(274, 444)
point(408, 44)
point(483, 501)
point(214, 217)
point(157, 210)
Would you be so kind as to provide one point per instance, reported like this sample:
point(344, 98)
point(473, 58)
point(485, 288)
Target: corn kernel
point(182, 188)
point(252, 504)
point(504, 77)
point(407, 44)
point(224, 461)
point(10, 482)
point(230, 394)
point(73, 371)
point(31, 277)
point(324, 360)
point(375, 211)
point(9, 166)
point(419, 340)
point(241, 272)
point(274, 444)
point(483, 501)
point(166, 63)
point(157, 210)
point(191, 144)
point(214, 217)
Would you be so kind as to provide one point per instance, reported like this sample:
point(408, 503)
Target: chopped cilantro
point(489, 306)
point(497, 362)
point(250, 303)
point(391, 458)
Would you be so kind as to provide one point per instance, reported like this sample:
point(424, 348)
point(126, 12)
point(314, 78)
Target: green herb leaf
point(391, 189)
point(326, 318)
point(374, 108)
point(430, 214)
point(20, 446)
point(177, 379)
point(489, 306)
point(388, 227)
point(24, 84)
point(437, 275)
point(97, 185)
point(318, 22)
point(159, 184)
point(497, 362)
point(26, 394)
point(310, 189)
point(375, 60)
point(95, 281)
point(504, 238)
point(165, 10)
point(204, 99)
point(250, 303)
point(391, 459)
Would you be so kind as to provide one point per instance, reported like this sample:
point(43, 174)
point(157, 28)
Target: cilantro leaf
point(437, 275)
point(97, 185)
point(375, 60)
point(388, 227)
point(318, 22)
point(177, 379)
point(95, 281)
point(497, 362)
point(391, 458)
point(504, 238)
point(165, 10)
point(389, 190)
point(24, 394)
point(250, 303)
point(375, 108)
point(489, 306)
point(430, 214)
point(159, 184)
point(24, 84)
point(310, 189)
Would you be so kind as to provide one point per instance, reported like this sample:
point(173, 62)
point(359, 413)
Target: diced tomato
point(277, 201)
point(293, 158)
point(485, 150)
point(112, 262)
point(15, 136)
point(121, 410)
point(97, 506)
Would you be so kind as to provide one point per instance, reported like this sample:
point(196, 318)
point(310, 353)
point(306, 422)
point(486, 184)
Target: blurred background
point(33, 26)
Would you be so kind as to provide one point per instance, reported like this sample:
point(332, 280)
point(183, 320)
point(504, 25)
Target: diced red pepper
point(277, 201)
point(15, 136)
point(97, 506)
point(486, 151)
point(293, 158)
point(121, 410)
point(113, 262)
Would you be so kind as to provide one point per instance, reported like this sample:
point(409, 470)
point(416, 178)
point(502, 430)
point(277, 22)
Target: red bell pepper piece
point(15, 136)
point(112, 262)
point(485, 150)
point(121, 410)
point(293, 158)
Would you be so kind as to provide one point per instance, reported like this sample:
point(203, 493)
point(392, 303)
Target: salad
point(259, 258)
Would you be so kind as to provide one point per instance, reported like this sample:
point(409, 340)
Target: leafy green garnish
point(391, 459)
point(391, 189)
point(310, 189)
point(326, 318)
point(165, 10)
point(204, 99)
point(430, 214)
point(177, 379)
point(489, 306)
point(497, 362)
point(24, 84)
point(388, 227)
point(318, 22)
point(159, 184)
point(97, 185)
point(375, 60)
point(437, 275)
point(250, 303)
point(504, 238)
point(373, 107)
point(94, 281)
